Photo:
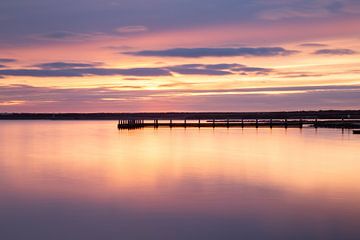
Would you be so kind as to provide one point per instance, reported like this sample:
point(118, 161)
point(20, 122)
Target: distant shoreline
point(322, 114)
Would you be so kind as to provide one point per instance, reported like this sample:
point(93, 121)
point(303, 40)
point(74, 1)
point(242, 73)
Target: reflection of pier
point(239, 123)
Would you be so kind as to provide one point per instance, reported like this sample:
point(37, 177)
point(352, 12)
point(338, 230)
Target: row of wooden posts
point(131, 124)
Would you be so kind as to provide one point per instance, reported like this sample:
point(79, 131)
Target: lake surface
point(75, 180)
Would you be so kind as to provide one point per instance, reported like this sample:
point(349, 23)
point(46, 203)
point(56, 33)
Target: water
point(87, 180)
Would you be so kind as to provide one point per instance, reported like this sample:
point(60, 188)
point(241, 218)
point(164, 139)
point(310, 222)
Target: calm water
point(87, 180)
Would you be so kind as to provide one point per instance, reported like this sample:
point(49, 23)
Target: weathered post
point(227, 123)
point(257, 123)
point(199, 124)
point(213, 123)
point(271, 123)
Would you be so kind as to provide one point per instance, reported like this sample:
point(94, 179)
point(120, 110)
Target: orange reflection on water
point(280, 182)
point(92, 159)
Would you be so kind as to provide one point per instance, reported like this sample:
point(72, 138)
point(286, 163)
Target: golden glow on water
point(309, 176)
point(293, 160)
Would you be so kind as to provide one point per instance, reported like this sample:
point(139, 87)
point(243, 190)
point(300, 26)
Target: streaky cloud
point(7, 60)
point(81, 72)
point(198, 71)
point(217, 69)
point(62, 99)
point(313, 45)
point(65, 65)
point(215, 52)
point(70, 69)
point(338, 51)
point(63, 36)
point(131, 29)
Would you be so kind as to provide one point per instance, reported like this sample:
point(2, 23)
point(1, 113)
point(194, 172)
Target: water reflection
point(86, 180)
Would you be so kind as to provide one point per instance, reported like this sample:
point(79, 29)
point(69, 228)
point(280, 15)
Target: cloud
point(81, 72)
point(287, 12)
point(2, 66)
point(338, 51)
point(215, 52)
point(217, 69)
point(7, 60)
point(72, 69)
point(65, 65)
point(198, 71)
point(131, 29)
point(300, 75)
point(102, 99)
point(313, 45)
point(64, 36)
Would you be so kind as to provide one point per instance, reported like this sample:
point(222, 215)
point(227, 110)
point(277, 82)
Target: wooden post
point(286, 123)
point(227, 123)
point(185, 122)
point(199, 124)
point(171, 123)
point(316, 123)
point(257, 123)
point(271, 123)
point(301, 123)
point(242, 123)
point(213, 123)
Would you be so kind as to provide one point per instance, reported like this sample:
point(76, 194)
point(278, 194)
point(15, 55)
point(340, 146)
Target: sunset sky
point(179, 55)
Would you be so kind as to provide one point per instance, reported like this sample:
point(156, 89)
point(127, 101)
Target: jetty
point(238, 123)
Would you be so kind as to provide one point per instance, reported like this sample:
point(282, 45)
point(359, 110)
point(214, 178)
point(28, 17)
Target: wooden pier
point(238, 123)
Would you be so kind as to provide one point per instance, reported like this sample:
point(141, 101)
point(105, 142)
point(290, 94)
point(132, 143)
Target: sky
point(179, 55)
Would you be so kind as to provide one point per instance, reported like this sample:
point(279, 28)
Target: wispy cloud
point(287, 12)
point(72, 69)
point(31, 98)
point(65, 65)
point(217, 69)
point(313, 45)
point(80, 72)
point(335, 52)
point(216, 52)
point(7, 60)
point(131, 29)
point(67, 36)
